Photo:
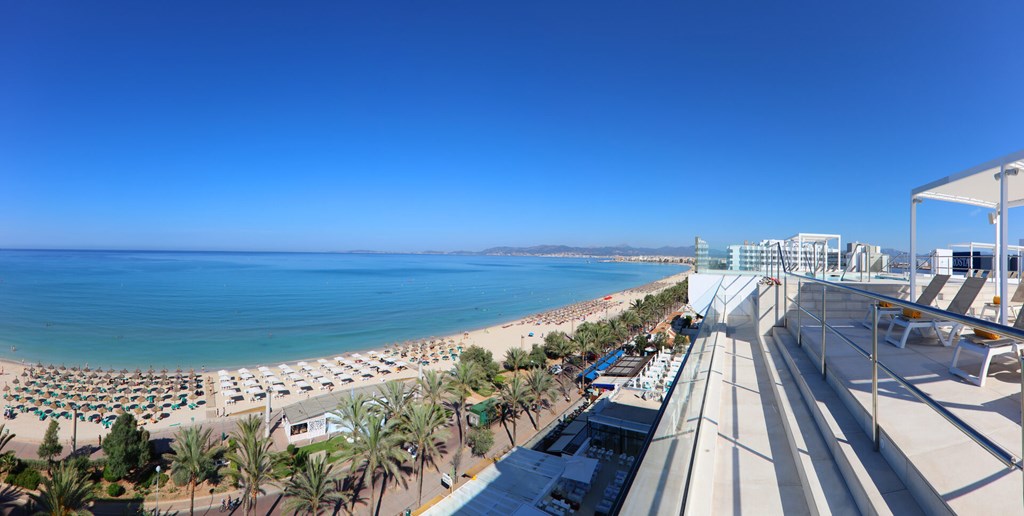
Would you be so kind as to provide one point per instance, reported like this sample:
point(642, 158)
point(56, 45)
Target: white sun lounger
point(986, 349)
point(927, 297)
point(959, 305)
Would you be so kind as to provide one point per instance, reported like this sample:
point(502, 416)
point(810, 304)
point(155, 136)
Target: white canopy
point(279, 388)
point(344, 378)
point(250, 383)
point(227, 385)
point(978, 185)
point(223, 372)
point(990, 185)
point(580, 469)
point(325, 381)
point(254, 390)
point(303, 385)
point(366, 372)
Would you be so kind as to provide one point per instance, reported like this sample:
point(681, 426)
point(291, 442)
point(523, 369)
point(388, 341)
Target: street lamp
point(158, 490)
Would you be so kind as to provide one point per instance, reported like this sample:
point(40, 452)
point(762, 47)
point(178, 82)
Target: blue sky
point(408, 126)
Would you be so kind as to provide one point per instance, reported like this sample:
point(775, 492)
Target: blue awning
point(592, 375)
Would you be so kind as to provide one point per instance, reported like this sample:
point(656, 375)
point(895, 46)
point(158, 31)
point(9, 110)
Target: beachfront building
point(745, 257)
point(311, 419)
point(815, 253)
point(804, 252)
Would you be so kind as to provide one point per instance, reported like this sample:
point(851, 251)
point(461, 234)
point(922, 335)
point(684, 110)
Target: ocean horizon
point(221, 308)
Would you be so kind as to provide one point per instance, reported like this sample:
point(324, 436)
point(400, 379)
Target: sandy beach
point(498, 339)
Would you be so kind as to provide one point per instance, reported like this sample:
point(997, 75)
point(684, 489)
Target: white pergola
point(988, 185)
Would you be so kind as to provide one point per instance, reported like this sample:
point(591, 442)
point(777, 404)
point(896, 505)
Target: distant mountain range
point(565, 250)
point(619, 250)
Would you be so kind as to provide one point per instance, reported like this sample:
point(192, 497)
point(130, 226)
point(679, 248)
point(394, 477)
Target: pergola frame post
point(913, 246)
point(1003, 237)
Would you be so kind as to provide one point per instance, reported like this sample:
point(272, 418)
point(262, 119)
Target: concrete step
point(872, 483)
point(824, 486)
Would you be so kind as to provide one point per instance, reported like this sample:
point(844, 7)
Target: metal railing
point(996, 450)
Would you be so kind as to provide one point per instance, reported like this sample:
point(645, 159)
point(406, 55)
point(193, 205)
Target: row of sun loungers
point(323, 374)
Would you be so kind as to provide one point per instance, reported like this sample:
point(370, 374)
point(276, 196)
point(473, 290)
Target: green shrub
point(480, 440)
point(114, 490)
point(110, 476)
point(28, 478)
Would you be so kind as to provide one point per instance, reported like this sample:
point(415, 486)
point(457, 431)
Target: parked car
point(555, 369)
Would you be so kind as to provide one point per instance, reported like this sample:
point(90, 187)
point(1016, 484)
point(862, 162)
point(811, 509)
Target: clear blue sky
point(461, 125)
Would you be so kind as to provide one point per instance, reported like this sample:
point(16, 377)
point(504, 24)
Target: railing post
point(874, 374)
point(785, 298)
point(800, 315)
point(824, 294)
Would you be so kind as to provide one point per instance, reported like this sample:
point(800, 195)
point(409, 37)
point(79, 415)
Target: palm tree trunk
point(373, 494)
point(192, 496)
point(419, 499)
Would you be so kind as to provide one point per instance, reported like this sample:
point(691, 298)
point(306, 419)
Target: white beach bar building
point(311, 418)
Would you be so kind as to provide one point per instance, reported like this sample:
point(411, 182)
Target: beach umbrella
point(25, 373)
point(16, 381)
point(62, 368)
point(74, 368)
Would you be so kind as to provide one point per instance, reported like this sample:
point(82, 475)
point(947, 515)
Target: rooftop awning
point(978, 185)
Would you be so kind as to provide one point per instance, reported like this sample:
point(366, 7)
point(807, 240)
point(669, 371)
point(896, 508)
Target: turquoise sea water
point(170, 309)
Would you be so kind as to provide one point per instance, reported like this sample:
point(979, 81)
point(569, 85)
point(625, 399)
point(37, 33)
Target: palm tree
point(248, 428)
point(516, 358)
point(558, 344)
point(461, 380)
point(5, 437)
point(193, 459)
point(618, 329)
point(513, 396)
point(394, 396)
point(541, 386)
point(631, 319)
point(313, 485)
point(67, 492)
point(586, 342)
point(424, 426)
point(254, 462)
point(433, 387)
point(352, 413)
point(379, 447)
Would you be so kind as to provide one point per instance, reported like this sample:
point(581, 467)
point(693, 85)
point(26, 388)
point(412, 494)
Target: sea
point(221, 309)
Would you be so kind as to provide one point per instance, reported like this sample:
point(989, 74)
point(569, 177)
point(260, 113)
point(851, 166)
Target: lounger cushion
point(911, 314)
point(884, 304)
point(996, 300)
point(987, 335)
